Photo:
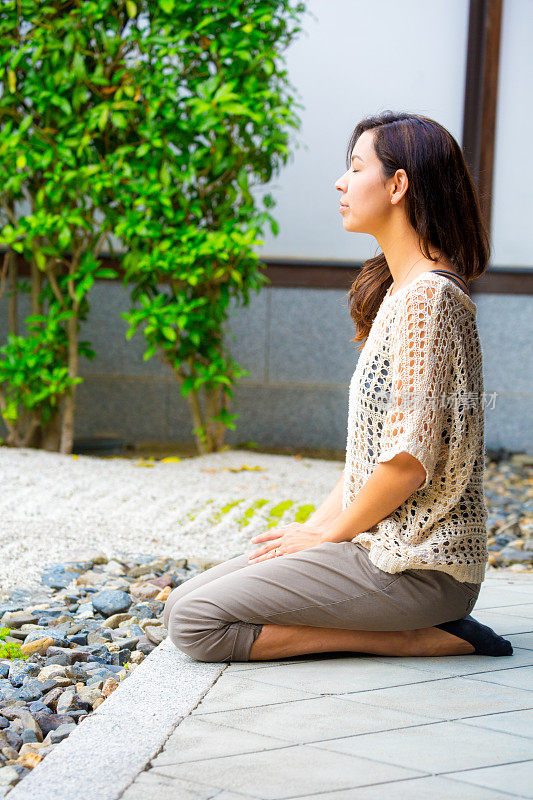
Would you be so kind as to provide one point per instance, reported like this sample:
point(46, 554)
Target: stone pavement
point(341, 726)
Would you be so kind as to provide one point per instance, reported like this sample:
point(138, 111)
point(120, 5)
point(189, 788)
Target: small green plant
point(9, 649)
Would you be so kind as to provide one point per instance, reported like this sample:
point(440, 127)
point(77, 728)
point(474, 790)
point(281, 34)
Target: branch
point(5, 267)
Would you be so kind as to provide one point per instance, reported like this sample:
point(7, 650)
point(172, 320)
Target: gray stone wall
point(295, 344)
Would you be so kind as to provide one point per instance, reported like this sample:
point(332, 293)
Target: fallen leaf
point(245, 466)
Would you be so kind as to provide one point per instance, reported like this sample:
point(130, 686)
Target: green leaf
point(103, 118)
point(169, 333)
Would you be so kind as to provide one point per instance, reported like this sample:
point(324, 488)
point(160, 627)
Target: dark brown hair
point(442, 204)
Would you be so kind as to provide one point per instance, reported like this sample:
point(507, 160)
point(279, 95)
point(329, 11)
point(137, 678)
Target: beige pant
point(218, 614)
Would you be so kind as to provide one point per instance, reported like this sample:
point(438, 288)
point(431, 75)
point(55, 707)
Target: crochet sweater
point(418, 387)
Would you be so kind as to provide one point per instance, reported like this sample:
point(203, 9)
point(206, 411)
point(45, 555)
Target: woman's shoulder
point(435, 295)
point(427, 301)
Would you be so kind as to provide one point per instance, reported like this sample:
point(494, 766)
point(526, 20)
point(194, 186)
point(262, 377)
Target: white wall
point(353, 59)
point(512, 210)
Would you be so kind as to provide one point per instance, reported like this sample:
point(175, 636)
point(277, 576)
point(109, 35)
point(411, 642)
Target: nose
point(340, 183)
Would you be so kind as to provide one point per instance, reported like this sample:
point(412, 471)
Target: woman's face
point(365, 196)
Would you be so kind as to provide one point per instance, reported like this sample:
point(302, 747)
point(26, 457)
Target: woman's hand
point(288, 539)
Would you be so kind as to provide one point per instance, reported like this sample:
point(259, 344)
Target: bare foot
point(437, 642)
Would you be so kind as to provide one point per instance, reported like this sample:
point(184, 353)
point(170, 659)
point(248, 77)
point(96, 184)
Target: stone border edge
point(110, 747)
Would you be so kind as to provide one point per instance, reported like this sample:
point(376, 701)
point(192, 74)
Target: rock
point(128, 624)
point(67, 702)
point(162, 581)
point(20, 670)
point(92, 577)
point(137, 572)
point(522, 460)
point(51, 697)
point(71, 654)
point(163, 594)
point(109, 686)
point(85, 610)
point(89, 694)
point(118, 583)
point(8, 776)
point(146, 647)
point(96, 557)
point(128, 644)
point(14, 619)
point(27, 722)
point(79, 638)
point(156, 634)
point(144, 591)
point(51, 671)
point(97, 638)
point(39, 646)
point(32, 690)
point(49, 721)
point(111, 601)
point(30, 759)
point(115, 567)
point(511, 554)
point(57, 576)
point(78, 672)
point(57, 634)
point(62, 732)
point(143, 610)
point(521, 568)
point(116, 619)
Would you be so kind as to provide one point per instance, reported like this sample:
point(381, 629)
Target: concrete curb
point(109, 748)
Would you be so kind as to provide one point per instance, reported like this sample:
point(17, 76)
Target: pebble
point(88, 629)
point(509, 494)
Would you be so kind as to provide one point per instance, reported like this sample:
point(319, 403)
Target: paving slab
point(358, 673)
point(478, 747)
point(152, 786)
point(299, 722)
point(504, 622)
point(446, 699)
point(240, 692)
point(433, 788)
point(505, 598)
point(287, 772)
point(521, 677)
point(468, 665)
point(504, 777)
point(519, 723)
point(203, 737)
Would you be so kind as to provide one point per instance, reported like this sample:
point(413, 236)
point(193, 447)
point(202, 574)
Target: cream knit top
point(418, 387)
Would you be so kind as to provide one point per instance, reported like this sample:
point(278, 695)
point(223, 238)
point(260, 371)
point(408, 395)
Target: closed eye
point(355, 170)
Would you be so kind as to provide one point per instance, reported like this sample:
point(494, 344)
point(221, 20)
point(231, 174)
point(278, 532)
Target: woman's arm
point(330, 509)
point(390, 484)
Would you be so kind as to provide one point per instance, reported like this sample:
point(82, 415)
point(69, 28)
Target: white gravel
point(56, 507)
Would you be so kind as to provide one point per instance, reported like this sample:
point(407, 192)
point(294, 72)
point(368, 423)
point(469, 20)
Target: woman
point(392, 561)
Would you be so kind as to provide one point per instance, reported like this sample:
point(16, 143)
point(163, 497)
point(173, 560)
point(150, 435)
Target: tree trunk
point(36, 286)
point(50, 433)
point(12, 274)
point(67, 423)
